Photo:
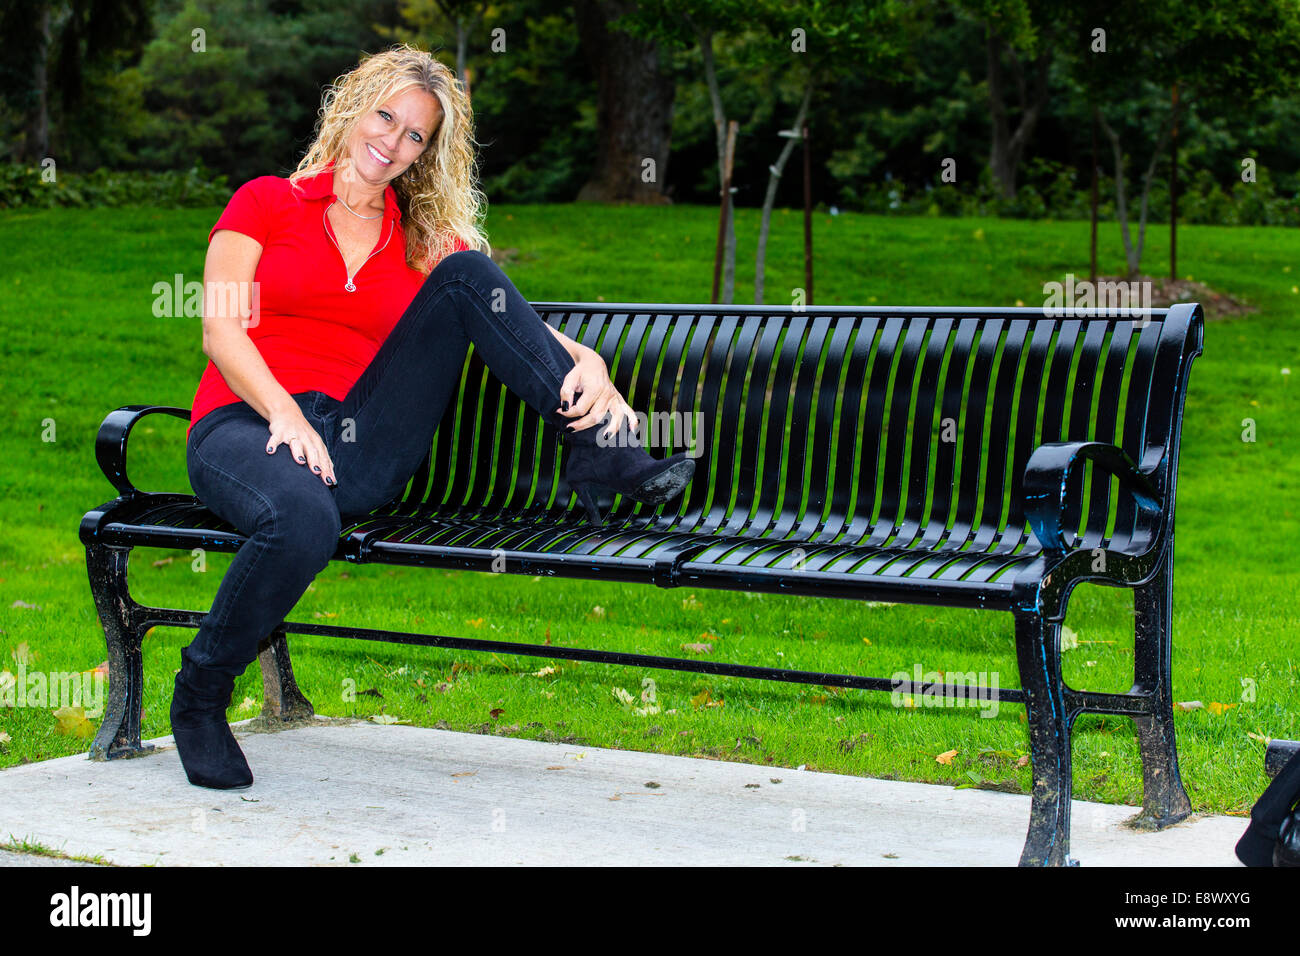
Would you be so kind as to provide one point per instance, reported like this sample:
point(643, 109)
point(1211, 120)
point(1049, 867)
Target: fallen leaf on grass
point(387, 719)
point(544, 672)
point(23, 654)
point(33, 607)
point(73, 722)
point(946, 757)
point(698, 648)
point(1218, 709)
point(1189, 705)
point(1069, 639)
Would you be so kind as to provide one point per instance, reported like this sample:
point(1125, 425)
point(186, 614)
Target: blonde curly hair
point(438, 195)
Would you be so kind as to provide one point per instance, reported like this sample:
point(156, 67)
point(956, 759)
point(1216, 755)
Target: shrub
point(25, 186)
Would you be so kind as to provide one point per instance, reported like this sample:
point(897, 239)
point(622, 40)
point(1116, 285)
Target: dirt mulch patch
point(1166, 292)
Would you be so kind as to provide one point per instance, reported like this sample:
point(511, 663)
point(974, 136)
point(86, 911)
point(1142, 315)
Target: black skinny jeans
point(293, 519)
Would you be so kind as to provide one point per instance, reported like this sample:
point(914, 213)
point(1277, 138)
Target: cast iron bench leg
point(119, 733)
point(1038, 651)
point(281, 698)
point(1164, 800)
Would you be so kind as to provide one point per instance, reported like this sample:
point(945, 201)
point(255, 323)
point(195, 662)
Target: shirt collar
point(321, 186)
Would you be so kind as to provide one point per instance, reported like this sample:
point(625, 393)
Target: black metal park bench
point(966, 457)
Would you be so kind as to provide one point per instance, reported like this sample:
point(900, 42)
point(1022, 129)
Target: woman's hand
point(292, 428)
point(595, 394)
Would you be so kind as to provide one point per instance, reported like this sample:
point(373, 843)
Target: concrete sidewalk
point(344, 792)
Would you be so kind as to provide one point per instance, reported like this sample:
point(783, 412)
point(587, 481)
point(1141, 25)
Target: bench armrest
point(110, 443)
point(1047, 474)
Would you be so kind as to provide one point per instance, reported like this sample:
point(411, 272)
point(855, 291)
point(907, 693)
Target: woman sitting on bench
point(360, 285)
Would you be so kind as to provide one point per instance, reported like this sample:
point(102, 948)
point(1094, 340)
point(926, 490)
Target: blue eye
point(387, 117)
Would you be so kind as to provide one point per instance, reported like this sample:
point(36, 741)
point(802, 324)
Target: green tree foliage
point(127, 90)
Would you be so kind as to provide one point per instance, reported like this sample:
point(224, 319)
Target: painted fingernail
point(302, 459)
point(568, 428)
point(316, 468)
point(564, 406)
point(269, 449)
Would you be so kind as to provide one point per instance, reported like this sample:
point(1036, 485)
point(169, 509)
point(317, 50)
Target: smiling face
point(386, 140)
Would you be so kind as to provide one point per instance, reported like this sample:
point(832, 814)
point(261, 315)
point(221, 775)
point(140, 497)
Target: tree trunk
point(36, 141)
point(634, 107)
point(1008, 146)
point(1173, 190)
point(773, 180)
point(1092, 276)
point(462, 45)
point(1132, 253)
point(720, 128)
point(1121, 196)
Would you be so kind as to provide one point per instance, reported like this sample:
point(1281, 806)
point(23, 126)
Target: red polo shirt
point(313, 333)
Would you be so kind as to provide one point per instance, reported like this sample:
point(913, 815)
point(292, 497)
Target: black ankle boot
point(207, 748)
point(622, 466)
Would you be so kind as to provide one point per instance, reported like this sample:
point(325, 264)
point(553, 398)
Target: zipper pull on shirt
point(351, 286)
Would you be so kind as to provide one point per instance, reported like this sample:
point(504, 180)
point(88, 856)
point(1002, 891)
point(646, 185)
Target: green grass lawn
point(80, 338)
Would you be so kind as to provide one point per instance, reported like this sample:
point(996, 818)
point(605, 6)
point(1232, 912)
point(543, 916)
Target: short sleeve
point(249, 210)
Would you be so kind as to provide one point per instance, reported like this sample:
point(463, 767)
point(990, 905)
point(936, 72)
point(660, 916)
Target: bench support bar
point(119, 733)
point(1164, 800)
point(1038, 654)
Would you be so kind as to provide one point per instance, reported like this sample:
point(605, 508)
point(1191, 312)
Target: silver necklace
point(357, 214)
